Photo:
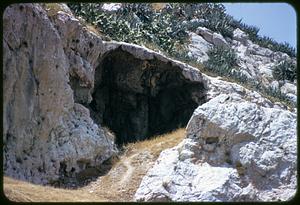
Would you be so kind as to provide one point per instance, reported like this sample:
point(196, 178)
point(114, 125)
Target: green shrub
point(136, 23)
point(221, 60)
point(213, 16)
point(276, 93)
point(286, 70)
point(169, 26)
point(270, 43)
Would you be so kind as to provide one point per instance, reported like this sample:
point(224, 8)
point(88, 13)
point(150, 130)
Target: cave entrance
point(138, 98)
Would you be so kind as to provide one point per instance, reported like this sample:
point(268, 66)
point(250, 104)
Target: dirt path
point(123, 179)
point(128, 174)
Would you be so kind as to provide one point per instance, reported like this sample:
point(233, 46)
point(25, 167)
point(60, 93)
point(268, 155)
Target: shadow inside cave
point(138, 98)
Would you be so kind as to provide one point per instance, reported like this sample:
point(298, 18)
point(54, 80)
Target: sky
point(275, 20)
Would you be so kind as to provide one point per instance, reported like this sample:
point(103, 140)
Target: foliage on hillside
point(221, 60)
point(263, 41)
point(136, 23)
point(285, 70)
point(166, 29)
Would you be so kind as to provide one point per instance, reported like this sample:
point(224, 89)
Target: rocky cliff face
point(63, 84)
point(46, 134)
point(56, 72)
point(235, 150)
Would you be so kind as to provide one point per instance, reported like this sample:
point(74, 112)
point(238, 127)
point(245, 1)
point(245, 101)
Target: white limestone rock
point(274, 85)
point(82, 48)
point(143, 53)
point(212, 37)
point(255, 60)
point(238, 151)
point(240, 36)
point(289, 88)
point(205, 33)
point(111, 6)
point(46, 133)
point(216, 86)
point(198, 47)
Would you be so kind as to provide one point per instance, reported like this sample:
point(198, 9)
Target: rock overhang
point(158, 94)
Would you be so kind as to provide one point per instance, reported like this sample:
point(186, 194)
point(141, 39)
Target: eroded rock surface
point(198, 47)
point(235, 150)
point(45, 133)
point(57, 71)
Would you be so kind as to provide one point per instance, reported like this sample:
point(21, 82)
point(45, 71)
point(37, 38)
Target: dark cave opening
point(138, 99)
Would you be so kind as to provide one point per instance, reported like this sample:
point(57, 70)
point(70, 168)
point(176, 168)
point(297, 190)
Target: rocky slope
point(50, 65)
point(63, 83)
point(254, 62)
point(235, 150)
point(229, 48)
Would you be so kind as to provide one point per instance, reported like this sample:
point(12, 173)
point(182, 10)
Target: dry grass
point(53, 8)
point(119, 184)
point(20, 191)
point(156, 144)
point(93, 29)
point(158, 6)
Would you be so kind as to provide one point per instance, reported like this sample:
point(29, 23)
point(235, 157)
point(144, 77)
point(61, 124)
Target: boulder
point(218, 40)
point(266, 70)
point(240, 36)
point(289, 88)
point(212, 37)
point(111, 6)
point(205, 33)
point(260, 51)
point(274, 85)
point(234, 150)
point(198, 47)
point(216, 86)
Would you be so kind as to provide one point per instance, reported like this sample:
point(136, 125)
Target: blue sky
point(276, 20)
